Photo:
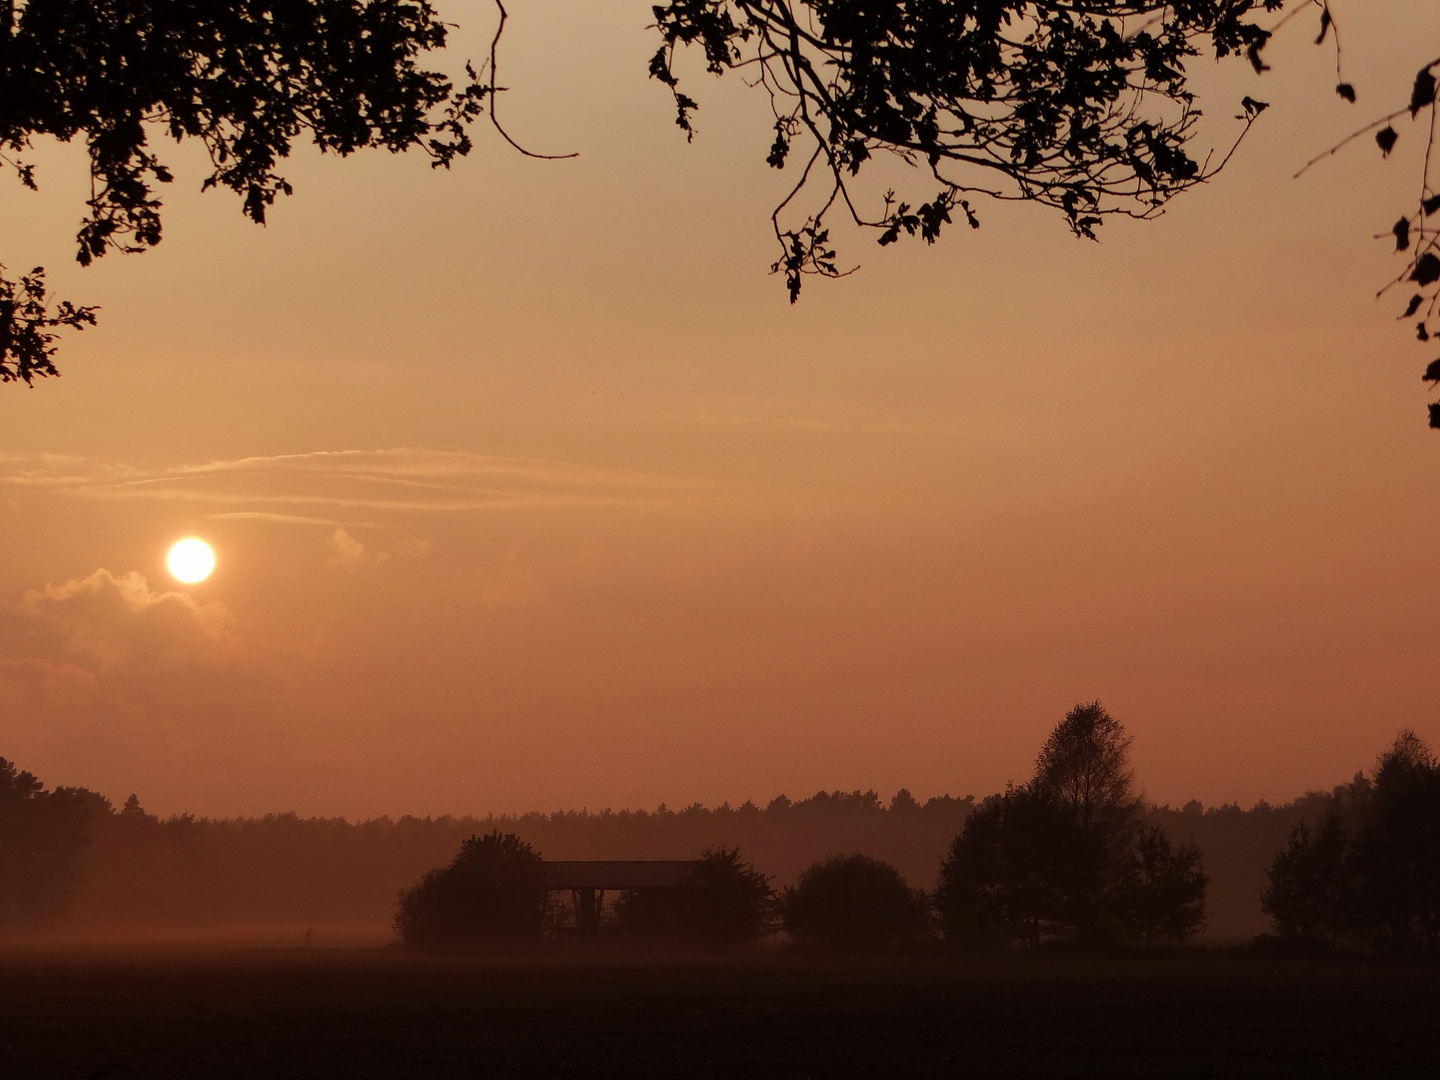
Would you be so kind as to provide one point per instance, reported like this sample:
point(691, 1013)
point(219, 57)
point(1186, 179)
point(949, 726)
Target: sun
point(190, 561)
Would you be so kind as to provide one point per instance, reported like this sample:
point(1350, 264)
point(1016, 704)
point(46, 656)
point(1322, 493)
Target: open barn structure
point(578, 889)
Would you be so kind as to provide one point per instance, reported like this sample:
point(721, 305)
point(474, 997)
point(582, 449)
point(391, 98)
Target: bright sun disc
point(191, 561)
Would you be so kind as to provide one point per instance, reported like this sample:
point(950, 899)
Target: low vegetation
point(853, 903)
point(491, 896)
point(724, 905)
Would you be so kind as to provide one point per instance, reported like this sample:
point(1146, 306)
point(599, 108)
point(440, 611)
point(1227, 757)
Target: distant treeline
point(285, 870)
point(137, 871)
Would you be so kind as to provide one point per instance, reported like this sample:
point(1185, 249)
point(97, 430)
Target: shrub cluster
point(851, 903)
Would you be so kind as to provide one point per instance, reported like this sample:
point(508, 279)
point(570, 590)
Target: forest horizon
point(182, 876)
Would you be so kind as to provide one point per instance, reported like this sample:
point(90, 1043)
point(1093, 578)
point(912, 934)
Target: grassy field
point(372, 1013)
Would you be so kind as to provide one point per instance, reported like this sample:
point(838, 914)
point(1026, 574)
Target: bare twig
point(1348, 140)
point(495, 92)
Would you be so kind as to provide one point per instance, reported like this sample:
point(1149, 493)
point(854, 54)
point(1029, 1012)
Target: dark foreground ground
point(364, 1014)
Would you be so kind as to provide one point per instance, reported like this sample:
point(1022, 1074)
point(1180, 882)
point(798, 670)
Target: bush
point(853, 902)
point(724, 904)
point(492, 896)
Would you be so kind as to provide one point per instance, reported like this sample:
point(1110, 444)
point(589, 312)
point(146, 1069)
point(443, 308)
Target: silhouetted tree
point(853, 902)
point(1309, 896)
point(492, 895)
point(1396, 856)
point(1370, 875)
point(725, 903)
point(1020, 871)
point(1066, 858)
point(1160, 892)
point(1085, 767)
point(42, 836)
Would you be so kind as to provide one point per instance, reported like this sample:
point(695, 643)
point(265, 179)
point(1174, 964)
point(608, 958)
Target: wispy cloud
point(847, 425)
point(347, 552)
point(407, 479)
point(267, 515)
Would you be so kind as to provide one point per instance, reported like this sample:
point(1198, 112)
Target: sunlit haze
point(532, 490)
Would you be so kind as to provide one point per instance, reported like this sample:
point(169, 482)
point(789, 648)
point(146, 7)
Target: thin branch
point(495, 95)
point(1348, 140)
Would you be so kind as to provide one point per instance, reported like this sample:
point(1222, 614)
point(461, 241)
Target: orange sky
point(530, 490)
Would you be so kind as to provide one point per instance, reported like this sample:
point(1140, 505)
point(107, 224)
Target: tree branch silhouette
point(1415, 237)
point(27, 325)
point(1082, 106)
point(244, 77)
point(494, 90)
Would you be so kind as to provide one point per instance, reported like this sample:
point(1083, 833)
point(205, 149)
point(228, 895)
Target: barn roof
point(616, 873)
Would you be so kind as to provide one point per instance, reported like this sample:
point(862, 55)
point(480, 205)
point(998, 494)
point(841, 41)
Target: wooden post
point(588, 917)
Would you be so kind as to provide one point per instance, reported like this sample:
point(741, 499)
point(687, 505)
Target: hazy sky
point(529, 489)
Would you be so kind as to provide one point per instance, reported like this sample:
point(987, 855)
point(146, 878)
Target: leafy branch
point(1415, 235)
point(1080, 105)
point(27, 322)
point(245, 78)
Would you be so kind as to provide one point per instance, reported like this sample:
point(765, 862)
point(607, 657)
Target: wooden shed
point(589, 880)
